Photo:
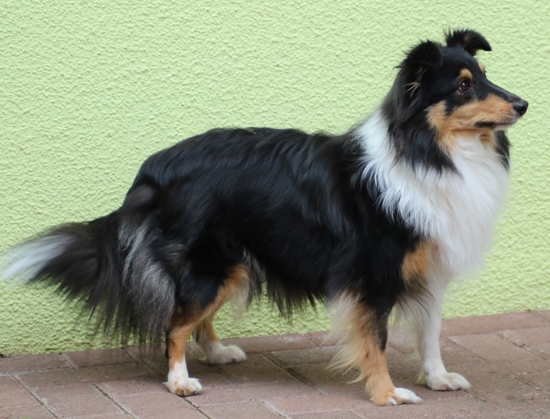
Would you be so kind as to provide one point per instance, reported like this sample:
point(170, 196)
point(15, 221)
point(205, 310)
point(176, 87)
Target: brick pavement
point(505, 357)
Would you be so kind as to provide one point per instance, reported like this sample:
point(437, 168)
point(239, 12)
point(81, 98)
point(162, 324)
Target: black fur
point(469, 40)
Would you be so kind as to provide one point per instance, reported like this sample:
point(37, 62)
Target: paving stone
point(289, 406)
point(143, 385)
point(399, 363)
point(290, 358)
point(35, 412)
point(505, 358)
point(402, 340)
point(437, 405)
point(246, 392)
point(122, 415)
point(270, 343)
point(325, 338)
point(256, 369)
point(155, 362)
point(165, 406)
point(240, 410)
point(76, 400)
point(84, 375)
point(12, 394)
point(336, 414)
point(83, 359)
point(151, 359)
point(535, 340)
point(455, 355)
point(538, 380)
point(139, 352)
point(507, 392)
point(501, 354)
point(27, 363)
point(543, 314)
point(490, 324)
point(325, 380)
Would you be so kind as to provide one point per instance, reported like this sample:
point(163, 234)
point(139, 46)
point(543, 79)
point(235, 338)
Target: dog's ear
point(420, 64)
point(471, 41)
point(423, 58)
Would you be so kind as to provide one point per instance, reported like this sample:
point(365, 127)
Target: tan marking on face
point(362, 348)
point(415, 265)
point(482, 68)
point(437, 118)
point(465, 74)
point(462, 121)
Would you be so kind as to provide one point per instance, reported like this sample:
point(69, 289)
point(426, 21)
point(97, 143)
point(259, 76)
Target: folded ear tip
point(468, 39)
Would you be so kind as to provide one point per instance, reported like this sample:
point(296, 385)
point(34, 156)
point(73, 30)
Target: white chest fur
point(455, 210)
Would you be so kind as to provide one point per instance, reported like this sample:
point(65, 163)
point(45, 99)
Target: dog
point(380, 218)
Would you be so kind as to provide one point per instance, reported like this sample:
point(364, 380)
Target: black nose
point(521, 107)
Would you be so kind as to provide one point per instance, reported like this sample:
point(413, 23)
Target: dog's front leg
point(427, 319)
point(365, 348)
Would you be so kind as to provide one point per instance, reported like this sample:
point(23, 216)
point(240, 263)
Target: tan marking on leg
point(205, 330)
point(415, 265)
point(215, 352)
point(363, 349)
point(178, 381)
point(182, 327)
point(177, 338)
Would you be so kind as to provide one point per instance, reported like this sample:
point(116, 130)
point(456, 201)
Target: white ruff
point(456, 210)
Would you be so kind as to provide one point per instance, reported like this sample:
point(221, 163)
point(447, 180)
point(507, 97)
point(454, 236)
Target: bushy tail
point(107, 264)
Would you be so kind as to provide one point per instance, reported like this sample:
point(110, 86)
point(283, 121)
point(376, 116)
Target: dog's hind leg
point(365, 348)
point(215, 352)
point(178, 381)
point(182, 327)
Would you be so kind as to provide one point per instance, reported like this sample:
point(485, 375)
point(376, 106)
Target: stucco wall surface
point(89, 89)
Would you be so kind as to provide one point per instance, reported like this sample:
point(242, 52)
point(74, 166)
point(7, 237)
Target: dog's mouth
point(519, 108)
point(498, 125)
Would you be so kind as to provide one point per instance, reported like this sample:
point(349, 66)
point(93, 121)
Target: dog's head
point(444, 90)
point(451, 85)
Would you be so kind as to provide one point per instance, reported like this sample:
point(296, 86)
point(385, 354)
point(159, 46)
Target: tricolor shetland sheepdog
point(379, 218)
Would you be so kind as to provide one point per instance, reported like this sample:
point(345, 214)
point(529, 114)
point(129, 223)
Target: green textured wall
point(89, 89)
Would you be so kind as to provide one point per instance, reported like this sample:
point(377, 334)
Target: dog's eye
point(464, 86)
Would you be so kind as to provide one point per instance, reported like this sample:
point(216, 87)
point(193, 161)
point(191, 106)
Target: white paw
point(220, 354)
point(184, 386)
point(402, 395)
point(446, 381)
point(397, 396)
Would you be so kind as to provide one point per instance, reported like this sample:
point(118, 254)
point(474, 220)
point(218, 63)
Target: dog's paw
point(184, 387)
point(225, 355)
point(446, 381)
point(397, 396)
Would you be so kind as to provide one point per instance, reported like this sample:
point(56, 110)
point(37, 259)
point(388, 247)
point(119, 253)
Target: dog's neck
point(455, 208)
